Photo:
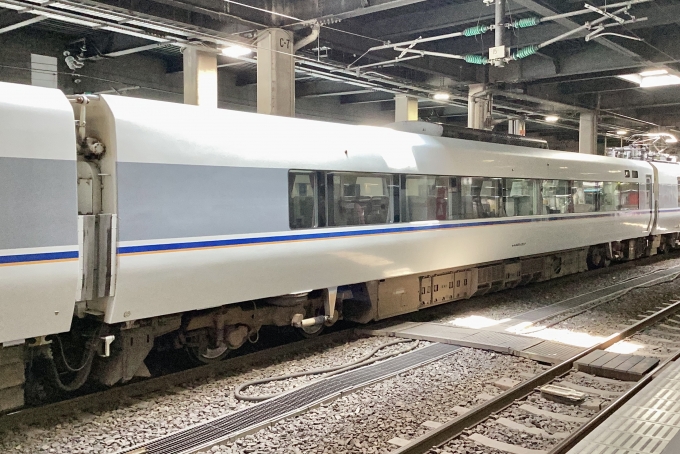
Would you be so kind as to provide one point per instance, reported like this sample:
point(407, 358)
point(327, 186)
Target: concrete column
point(275, 73)
point(200, 77)
point(479, 108)
point(405, 108)
point(517, 126)
point(587, 133)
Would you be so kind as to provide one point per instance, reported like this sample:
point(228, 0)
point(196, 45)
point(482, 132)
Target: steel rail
point(455, 427)
point(93, 401)
point(572, 440)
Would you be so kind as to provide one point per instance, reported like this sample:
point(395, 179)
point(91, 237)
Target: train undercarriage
point(94, 352)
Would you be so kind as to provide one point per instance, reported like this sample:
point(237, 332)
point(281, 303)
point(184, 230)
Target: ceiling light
point(660, 81)
point(652, 78)
point(236, 51)
point(621, 132)
point(552, 118)
point(441, 96)
point(656, 72)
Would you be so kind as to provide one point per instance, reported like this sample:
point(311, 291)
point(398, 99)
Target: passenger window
point(557, 197)
point(359, 199)
point(301, 201)
point(426, 198)
point(519, 197)
point(419, 203)
point(586, 196)
point(610, 196)
point(481, 198)
point(629, 194)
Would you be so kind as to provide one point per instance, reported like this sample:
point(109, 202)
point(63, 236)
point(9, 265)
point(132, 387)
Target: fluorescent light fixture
point(660, 81)
point(655, 72)
point(652, 78)
point(621, 132)
point(134, 33)
point(552, 118)
point(71, 20)
point(441, 96)
point(236, 51)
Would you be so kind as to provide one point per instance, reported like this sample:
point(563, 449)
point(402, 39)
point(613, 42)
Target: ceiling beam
point(430, 19)
point(21, 24)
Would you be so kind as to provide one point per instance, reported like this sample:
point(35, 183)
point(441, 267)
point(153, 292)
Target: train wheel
point(207, 355)
point(597, 258)
point(664, 247)
point(202, 348)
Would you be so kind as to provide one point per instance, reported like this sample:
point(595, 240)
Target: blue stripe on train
point(345, 234)
point(38, 257)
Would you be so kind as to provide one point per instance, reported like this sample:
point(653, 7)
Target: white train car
point(192, 228)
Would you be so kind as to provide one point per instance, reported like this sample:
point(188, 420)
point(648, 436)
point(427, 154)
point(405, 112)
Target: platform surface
point(649, 423)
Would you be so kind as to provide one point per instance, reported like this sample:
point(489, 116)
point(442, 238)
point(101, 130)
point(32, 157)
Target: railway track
point(94, 401)
point(104, 399)
point(469, 425)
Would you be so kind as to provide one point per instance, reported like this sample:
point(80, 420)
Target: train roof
point(169, 133)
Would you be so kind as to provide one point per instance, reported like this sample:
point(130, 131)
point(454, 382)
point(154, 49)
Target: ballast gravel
point(364, 421)
point(136, 421)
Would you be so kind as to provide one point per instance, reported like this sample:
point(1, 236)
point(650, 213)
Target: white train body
point(196, 207)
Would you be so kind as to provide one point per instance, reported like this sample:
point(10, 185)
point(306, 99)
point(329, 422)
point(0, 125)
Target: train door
point(652, 190)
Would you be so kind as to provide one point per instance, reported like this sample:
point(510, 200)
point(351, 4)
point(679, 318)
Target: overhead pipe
point(316, 28)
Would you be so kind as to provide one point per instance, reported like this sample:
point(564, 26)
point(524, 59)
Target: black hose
point(82, 372)
point(363, 361)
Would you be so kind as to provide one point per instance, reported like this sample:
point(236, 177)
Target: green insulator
point(524, 52)
point(476, 59)
point(477, 30)
point(525, 23)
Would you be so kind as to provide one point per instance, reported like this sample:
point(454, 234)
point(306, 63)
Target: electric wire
point(329, 371)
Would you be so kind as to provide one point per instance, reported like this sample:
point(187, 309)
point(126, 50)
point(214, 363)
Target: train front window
point(301, 200)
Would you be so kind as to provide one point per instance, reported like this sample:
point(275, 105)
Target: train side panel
point(39, 223)
point(202, 204)
point(668, 217)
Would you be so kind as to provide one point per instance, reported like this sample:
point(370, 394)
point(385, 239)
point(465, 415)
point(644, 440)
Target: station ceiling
point(573, 71)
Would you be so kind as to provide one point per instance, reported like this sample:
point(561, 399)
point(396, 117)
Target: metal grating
point(221, 428)
point(649, 423)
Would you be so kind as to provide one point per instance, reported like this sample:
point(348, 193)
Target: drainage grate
point(203, 435)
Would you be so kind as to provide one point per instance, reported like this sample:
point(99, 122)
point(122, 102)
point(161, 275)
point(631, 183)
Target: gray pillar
point(405, 108)
point(200, 77)
point(275, 73)
point(587, 133)
point(479, 107)
point(517, 126)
